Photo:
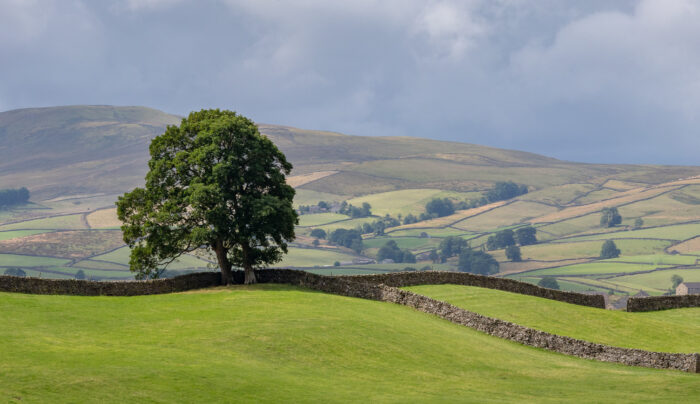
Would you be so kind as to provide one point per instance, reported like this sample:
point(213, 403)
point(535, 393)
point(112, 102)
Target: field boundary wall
point(654, 303)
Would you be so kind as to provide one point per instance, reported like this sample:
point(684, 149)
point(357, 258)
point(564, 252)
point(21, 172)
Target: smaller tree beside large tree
point(610, 217)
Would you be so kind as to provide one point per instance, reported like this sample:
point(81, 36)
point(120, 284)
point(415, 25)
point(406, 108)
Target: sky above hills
point(594, 81)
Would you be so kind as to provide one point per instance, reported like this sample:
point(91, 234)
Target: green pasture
point(68, 222)
point(675, 232)
point(317, 219)
point(16, 260)
point(513, 213)
point(344, 270)
point(411, 243)
point(657, 280)
point(610, 283)
point(309, 197)
point(407, 201)
point(595, 196)
point(657, 259)
point(573, 226)
point(92, 264)
point(122, 256)
point(347, 224)
point(309, 257)
point(664, 209)
point(663, 331)
point(432, 232)
point(9, 235)
point(273, 343)
point(594, 268)
point(573, 286)
point(558, 195)
point(553, 251)
point(59, 273)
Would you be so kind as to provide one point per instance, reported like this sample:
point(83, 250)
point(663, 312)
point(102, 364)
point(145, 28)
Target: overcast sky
point(595, 81)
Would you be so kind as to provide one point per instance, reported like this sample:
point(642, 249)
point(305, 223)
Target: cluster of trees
point(351, 239)
point(549, 282)
point(610, 217)
point(477, 262)
point(501, 191)
point(439, 207)
point(15, 272)
point(378, 226)
point(391, 251)
point(322, 206)
point(508, 239)
point(10, 197)
point(354, 211)
point(609, 250)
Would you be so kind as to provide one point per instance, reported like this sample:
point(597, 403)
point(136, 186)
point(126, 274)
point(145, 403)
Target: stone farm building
point(688, 288)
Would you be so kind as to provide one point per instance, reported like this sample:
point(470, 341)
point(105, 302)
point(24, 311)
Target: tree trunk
point(224, 263)
point(249, 275)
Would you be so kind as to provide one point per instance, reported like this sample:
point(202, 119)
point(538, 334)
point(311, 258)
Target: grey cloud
point(553, 77)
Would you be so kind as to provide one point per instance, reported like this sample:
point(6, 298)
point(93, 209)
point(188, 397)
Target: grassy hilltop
point(272, 343)
point(77, 160)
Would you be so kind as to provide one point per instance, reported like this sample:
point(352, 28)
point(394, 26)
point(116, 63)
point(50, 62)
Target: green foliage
point(434, 256)
point(318, 233)
point(610, 217)
point(451, 246)
point(213, 182)
point(526, 235)
point(11, 197)
point(609, 250)
point(505, 190)
point(477, 262)
point(549, 282)
point(501, 239)
point(347, 238)
point(80, 274)
point(513, 253)
point(15, 272)
point(354, 211)
point(439, 207)
point(638, 222)
point(336, 264)
point(675, 281)
point(410, 219)
point(391, 251)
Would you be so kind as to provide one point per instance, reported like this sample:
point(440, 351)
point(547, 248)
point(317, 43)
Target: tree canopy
point(214, 182)
point(609, 250)
point(501, 239)
point(526, 235)
point(549, 282)
point(10, 197)
point(477, 262)
point(390, 250)
point(610, 217)
point(439, 207)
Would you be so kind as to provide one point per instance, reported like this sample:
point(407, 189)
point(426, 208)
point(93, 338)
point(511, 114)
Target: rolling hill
point(76, 150)
point(270, 343)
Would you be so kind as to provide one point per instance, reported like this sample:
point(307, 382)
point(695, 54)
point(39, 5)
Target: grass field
point(657, 259)
point(309, 257)
point(8, 235)
point(318, 219)
point(272, 343)
point(557, 251)
point(67, 222)
point(14, 260)
point(122, 256)
point(407, 201)
point(64, 244)
point(411, 243)
point(103, 219)
point(676, 232)
point(595, 268)
point(433, 232)
point(663, 331)
point(513, 213)
point(309, 197)
point(657, 279)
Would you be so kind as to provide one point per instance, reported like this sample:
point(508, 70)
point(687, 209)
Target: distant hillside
point(103, 149)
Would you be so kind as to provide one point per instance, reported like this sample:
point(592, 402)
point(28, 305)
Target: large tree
point(216, 183)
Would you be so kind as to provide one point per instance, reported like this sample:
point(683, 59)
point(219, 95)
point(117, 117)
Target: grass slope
point(663, 331)
point(273, 343)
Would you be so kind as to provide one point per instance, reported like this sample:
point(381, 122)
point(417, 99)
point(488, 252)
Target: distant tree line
point(351, 239)
point(354, 211)
point(10, 197)
point(501, 191)
point(322, 206)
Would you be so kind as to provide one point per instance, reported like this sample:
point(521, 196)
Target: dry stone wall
point(402, 279)
point(655, 303)
point(116, 288)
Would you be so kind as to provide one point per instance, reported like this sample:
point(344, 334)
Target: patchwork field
point(289, 342)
